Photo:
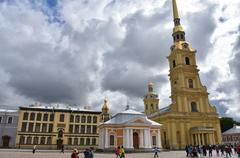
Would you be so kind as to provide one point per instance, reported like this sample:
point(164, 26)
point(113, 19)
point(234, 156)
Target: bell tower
point(187, 92)
point(151, 100)
point(105, 115)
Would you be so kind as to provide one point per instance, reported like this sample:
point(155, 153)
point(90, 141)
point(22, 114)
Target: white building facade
point(130, 129)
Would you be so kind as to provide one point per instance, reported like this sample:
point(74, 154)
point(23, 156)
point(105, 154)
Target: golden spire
point(175, 10)
point(178, 33)
point(105, 105)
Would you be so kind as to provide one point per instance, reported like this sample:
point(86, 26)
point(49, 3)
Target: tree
point(227, 123)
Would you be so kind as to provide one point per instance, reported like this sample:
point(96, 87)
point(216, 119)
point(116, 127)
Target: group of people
point(87, 153)
point(226, 150)
point(120, 152)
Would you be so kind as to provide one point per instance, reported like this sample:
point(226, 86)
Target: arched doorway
point(135, 140)
point(6, 140)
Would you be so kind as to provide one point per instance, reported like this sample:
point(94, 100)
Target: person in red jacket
point(75, 153)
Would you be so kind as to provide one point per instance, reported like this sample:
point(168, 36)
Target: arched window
point(174, 63)
point(177, 36)
point(32, 116)
point(187, 61)
point(83, 119)
point(77, 119)
point(94, 119)
point(194, 107)
point(89, 119)
point(39, 117)
point(25, 116)
point(112, 140)
point(190, 83)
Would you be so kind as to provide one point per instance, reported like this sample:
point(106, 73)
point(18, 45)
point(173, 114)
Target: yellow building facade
point(189, 119)
point(53, 126)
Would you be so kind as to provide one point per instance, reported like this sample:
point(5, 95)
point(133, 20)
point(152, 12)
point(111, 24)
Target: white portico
point(130, 129)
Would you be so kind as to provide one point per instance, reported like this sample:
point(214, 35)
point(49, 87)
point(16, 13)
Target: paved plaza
point(55, 154)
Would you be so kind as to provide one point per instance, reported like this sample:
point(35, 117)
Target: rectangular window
point(50, 128)
point(45, 117)
point(89, 119)
point(25, 116)
point(94, 141)
point(30, 127)
point(43, 140)
point(88, 129)
point(10, 120)
point(112, 140)
point(49, 140)
point(35, 140)
point(39, 117)
point(44, 127)
point(70, 128)
point(94, 129)
point(69, 141)
point(51, 117)
point(82, 129)
point(24, 127)
point(94, 119)
point(29, 140)
point(37, 127)
point(81, 141)
point(75, 141)
point(0, 119)
point(76, 129)
point(61, 118)
point(32, 116)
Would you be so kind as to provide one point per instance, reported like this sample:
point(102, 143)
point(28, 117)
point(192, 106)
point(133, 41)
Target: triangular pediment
point(138, 121)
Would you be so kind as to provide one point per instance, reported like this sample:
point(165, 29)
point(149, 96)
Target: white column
point(131, 138)
point(106, 138)
point(101, 139)
point(149, 139)
point(141, 138)
point(147, 142)
point(126, 138)
point(159, 143)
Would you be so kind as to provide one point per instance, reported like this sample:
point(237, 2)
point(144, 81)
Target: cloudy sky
point(80, 51)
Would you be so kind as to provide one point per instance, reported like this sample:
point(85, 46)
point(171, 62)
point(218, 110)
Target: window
point(88, 129)
point(75, 141)
point(88, 141)
point(190, 83)
point(51, 117)
point(49, 140)
point(39, 117)
point(94, 119)
point(44, 127)
point(151, 106)
point(82, 129)
point(32, 116)
point(10, 120)
point(35, 140)
point(61, 119)
point(45, 117)
point(50, 128)
point(94, 129)
point(37, 127)
point(22, 140)
point(24, 127)
point(156, 106)
point(194, 107)
point(70, 128)
point(146, 106)
point(154, 140)
point(30, 127)
point(174, 63)
point(60, 133)
point(77, 119)
point(187, 61)
point(25, 116)
point(81, 141)
point(177, 36)
point(0, 119)
point(42, 140)
point(93, 141)
point(69, 141)
point(89, 119)
point(29, 140)
point(76, 129)
point(71, 118)
point(83, 120)
point(112, 140)
point(182, 36)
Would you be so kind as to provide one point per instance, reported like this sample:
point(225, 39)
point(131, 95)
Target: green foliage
point(227, 123)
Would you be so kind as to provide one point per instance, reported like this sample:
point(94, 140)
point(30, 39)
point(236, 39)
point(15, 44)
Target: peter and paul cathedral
point(190, 118)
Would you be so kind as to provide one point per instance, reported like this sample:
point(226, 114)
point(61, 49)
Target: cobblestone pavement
point(55, 154)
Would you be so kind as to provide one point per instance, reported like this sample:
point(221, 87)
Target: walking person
point(34, 149)
point(62, 149)
point(122, 152)
point(156, 150)
point(117, 152)
point(238, 150)
point(86, 153)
